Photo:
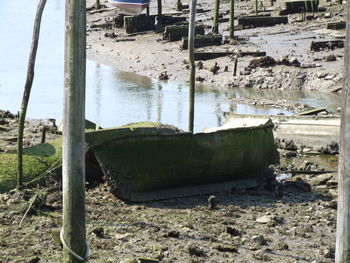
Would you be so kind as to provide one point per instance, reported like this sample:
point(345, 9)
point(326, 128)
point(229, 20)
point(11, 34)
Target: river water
point(112, 97)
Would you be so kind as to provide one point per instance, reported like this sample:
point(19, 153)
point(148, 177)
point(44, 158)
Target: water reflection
point(112, 98)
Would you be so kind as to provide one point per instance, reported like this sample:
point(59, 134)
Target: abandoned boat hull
point(143, 163)
point(315, 131)
point(131, 6)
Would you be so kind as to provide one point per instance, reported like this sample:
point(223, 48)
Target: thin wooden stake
point(235, 67)
point(256, 7)
point(43, 134)
point(232, 18)
point(27, 89)
point(73, 163)
point(216, 17)
point(97, 4)
point(342, 253)
point(191, 31)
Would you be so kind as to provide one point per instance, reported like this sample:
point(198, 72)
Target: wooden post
point(232, 18)
point(191, 31)
point(342, 251)
point(216, 17)
point(178, 5)
point(147, 11)
point(97, 4)
point(159, 3)
point(256, 7)
point(235, 67)
point(73, 161)
point(27, 89)
point(43, 134)
point(271, 2)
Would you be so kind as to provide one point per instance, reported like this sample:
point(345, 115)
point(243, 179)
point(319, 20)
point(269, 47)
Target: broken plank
point(202, 41)
point(175, 33)
point(261, 21)
point(312, 112)
point(336, 25)
point(326, 45)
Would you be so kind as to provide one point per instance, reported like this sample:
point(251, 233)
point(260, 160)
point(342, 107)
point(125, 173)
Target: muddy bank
point(148, 54)
point(289, 220)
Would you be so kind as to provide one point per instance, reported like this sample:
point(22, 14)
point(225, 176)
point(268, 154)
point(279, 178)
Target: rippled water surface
point(112, 97)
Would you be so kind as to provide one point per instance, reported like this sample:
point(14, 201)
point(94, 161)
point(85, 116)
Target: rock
point(214, 68)
point(328, 253)
point(266, 61)
point(194, 250)
point(172, 233)
point(212, 202)
point(232, 231)
point(330, 58)
point(265, 219)
point(329, 77)
point(163, 76)
point(260, 255)
point(332, 148)
point(260, 240)
point(225, 248)
point(147, 260)
point(282, 246)
point(321, 179)
point(322, 74)
point(34, 259)
point(98, 232)
point(332, 204)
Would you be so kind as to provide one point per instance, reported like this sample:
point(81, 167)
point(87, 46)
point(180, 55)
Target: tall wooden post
point(342, 253)
point(256, 7)
point(216, 17)
point(191, 30)
point(232, 18)
point(159, 4)
point(97, 4)
point(27, 89)
point(74, 232)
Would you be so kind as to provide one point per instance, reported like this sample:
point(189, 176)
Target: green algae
point(36, 160)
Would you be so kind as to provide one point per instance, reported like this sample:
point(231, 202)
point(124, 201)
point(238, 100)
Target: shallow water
point(112, 97)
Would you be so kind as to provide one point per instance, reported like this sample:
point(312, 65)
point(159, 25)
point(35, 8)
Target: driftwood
point(261, 21)
point(27, 89)
point(326, 45)
point(175, 33)
point(202, 41)
point(336, 25)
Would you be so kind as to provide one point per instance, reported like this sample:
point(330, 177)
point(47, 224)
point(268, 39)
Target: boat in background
point(131, 6)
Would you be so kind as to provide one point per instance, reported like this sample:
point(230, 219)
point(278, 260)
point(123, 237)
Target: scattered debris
point(326, 45)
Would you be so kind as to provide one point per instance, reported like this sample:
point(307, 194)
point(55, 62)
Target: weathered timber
point(139, 23)
point(175, 33)
point(231, 19)
point(171, 19)
point(216, 17)
point(192, 80)
point(27, 89)
point(262, 21)
point(202, 41)
point(73, 234)
point(336, 25)
point(206, 55)
point(326, 45)
point(312, 112)
point(298, 6)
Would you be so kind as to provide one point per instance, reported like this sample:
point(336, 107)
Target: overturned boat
point(131, 6)
point(149, 161)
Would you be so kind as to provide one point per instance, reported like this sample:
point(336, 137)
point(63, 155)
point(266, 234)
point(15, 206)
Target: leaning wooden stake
point(216, 17)
point(232, 18)
point(191, 31)
point(27, 89)
point(342, 253)
point(73, 235)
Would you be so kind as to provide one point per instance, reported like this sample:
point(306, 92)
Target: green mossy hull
point(36, 160)
point(142, 160)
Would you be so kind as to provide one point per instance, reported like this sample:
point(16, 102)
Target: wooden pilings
point(73, 235)
point(232, 19)
point(192, 82)
point(216, 17)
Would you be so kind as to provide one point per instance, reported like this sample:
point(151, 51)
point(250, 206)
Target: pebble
point(265, 219)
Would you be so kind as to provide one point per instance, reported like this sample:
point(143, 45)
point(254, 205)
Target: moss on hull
point(148, 159)
point(36, 160)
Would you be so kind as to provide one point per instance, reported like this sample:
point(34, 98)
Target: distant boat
point(131, 6)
